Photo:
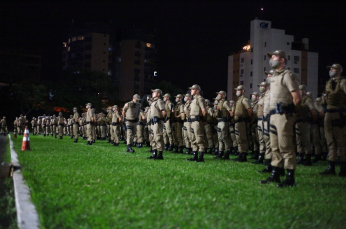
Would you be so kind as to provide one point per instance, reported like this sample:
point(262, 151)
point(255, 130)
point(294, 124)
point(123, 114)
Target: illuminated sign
point(264, 25)
point(247, 48)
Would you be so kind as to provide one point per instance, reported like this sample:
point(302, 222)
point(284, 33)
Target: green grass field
point(102, 186)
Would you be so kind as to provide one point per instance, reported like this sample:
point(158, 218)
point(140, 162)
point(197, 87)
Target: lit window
point(74, 38)
point(69, 41)
point(109, 73)
point(110, 49)
point(145, 61)
point(119, 59)
point(265, 57)
point(250, 85)
point(64, 44)
point(149, 45)
point(265, 69)
point(68, 49)
point(80, 38)
point(242, 71)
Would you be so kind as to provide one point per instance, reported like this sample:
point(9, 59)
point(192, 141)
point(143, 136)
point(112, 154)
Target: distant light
point(148, 45)
point(247, 48)
point(261, 9)
point(155, 73)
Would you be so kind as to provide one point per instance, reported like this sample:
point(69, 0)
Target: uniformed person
point(334, 121)
point(33, 125)
point(305, 114)
point(178, 124)
point(89, 118)
point(61, 125)
point(130, 114)
point(223, 113)
point(75, 123)
point(284, 96)
point(198, 113)
point(209, 126)
point(260, 105)
point(140, 128)
point(167, 128)
point(320, 123)
point(54, 124)
point(115, 124)
point(157, 113)
point(39, 123)
point(109, 125)
point(253, 125)
point(187, 123)
point(4, 130)
point(232, 130)
point(242, 115)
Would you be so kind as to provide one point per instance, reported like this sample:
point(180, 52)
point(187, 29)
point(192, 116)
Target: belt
point(222, 120)
point(87, 123)
point(61, 124)
point(240, 119)
point(75, 123)
point(303, 120)
point(114, 123)
point(259, 119)
point(139, 123)
point(126, 120)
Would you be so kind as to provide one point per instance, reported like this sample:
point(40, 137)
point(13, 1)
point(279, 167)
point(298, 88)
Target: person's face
point(154, 94)
point(303, 92)
point(270, 75)
point(194, 91)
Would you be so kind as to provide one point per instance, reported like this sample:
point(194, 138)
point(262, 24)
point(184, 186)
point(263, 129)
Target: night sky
point(194, 37)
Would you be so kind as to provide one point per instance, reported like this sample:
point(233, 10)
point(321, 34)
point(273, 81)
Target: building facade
point(128, 56)
point(247, 66)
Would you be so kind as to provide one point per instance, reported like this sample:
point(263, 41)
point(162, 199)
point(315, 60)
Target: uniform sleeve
point(227, 106)
point(291, 81)
point(343, 85)
point(126, 106)
point(161, 105)
point(246, 103)
point(310, 104)
point(201, 102)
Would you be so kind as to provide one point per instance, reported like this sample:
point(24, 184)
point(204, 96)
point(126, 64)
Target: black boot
point(139, 145)
point(281, 171)
point(307, 160)
point(129, 149)
point(260, 159)
point(176, 150)
point(219, 155)
point(238, 158)
point(165, 147)
point(148, 143)
point(112, 141)
point(216, 150)
point(188, 151)
point(200, 158)
point(170, 148)
point(330, 170)
point(151, 150)
point(268, 168)
point(93, 140)
point(317, 158)
point(109, 140)
point(289, 181)
point(274, 177)
point(60, 137)
point(75, 140)
point(71, 137)
point(243, 157)
point(89, 143)
point(226, 157)
point(159, 157)
point(324, 156)
point(210, 151)
point(255, 155)
point(181, 149)
point(300, 159)
point(236, 152)
point(154, 155)
point(193, 158)
point(342, 172)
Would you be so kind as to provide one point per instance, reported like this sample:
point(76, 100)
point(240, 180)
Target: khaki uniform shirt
point(197, 104)
point(131, 110)
point(156, 107)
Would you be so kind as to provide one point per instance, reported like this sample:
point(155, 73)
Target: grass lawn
point(102, 186)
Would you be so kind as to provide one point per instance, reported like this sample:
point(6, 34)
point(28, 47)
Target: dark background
point(194, 38)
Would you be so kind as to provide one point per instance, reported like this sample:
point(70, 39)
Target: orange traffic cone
point(15, 132)
point(26, 140)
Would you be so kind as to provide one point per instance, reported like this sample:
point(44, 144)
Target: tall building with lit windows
point(127, 56)
point(248, 65)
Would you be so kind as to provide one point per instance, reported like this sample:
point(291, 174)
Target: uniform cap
point(302, 87)
point(221, 92)
point(280, 53)
point(232, 101)
point(254, 93)
point(115, 106)
point(167, 95)
point(264, 83)
point(271, 72)
point(4, 117)
point(179, 96)
point(207, 101)
point(195, 86)
point(188, 95)
point(309, 93)
point(75, 108)
point(240, 87)
point(136, 96)
point(157, 90)
point(318, 99)
point(218, 97)
point(336, 66)
point(89, 104)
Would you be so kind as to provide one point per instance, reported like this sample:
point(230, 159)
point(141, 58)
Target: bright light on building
point(247, 48)
point(148, 45)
